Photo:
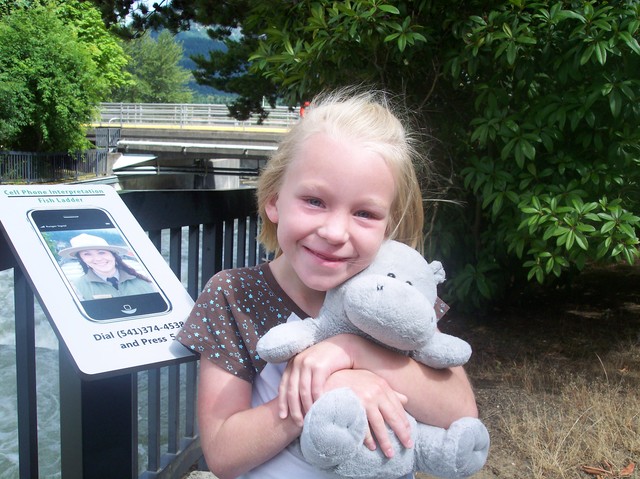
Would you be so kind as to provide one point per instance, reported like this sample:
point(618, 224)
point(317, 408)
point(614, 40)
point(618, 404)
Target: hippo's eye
point(391, 275)
point(409, 283)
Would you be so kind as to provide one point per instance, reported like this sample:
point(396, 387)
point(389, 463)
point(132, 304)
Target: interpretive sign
point(107, 291)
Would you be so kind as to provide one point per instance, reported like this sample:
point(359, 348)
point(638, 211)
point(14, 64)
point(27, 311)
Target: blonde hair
point(365, 117)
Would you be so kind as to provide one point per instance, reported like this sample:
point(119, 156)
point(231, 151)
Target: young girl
point(341, 182)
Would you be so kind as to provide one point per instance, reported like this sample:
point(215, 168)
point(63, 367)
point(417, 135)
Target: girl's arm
point(234, 436)
point(436, 397)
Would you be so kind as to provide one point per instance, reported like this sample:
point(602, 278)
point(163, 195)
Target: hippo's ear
point(438, 271)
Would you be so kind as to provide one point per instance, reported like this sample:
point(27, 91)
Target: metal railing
point(185, 115)
point(107, 137)
point(50, 167)
point(199, 232)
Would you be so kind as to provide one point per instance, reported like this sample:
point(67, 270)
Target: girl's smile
point(328, 258)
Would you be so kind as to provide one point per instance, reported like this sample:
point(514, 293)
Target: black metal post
point(26, 376)
point(97, 428)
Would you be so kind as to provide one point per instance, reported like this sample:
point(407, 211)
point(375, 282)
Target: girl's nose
point(335, 228)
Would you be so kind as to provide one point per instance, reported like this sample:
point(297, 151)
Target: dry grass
point(550, 423)
point(558, 384)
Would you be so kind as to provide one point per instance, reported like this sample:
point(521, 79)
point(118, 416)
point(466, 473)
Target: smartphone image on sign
point(102, 271)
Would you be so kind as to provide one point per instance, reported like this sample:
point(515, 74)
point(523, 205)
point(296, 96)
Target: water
point(47, 388)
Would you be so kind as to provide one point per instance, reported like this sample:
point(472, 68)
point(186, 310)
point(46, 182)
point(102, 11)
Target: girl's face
point(101, 261)
point(332, 212)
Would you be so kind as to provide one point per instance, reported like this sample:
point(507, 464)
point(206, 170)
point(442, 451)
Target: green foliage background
point(554, 145)
point(155, 72)
point(531, 108)
point(57, 62)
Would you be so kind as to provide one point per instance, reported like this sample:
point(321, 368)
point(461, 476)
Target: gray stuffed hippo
point(391, 302)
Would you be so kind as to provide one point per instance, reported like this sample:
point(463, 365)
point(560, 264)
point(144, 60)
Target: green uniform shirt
point(91, 286)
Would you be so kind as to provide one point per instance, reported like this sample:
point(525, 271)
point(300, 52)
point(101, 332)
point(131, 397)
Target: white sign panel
point(108, 293)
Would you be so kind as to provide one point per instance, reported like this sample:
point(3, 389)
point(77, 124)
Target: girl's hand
point(328, 365)
point(383, 406)
point(305, 376)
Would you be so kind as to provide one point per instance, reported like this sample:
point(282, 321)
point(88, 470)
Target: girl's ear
point(271, 209)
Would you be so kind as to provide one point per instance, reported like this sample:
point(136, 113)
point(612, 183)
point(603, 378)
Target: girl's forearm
point(436, 396)
point(235, 437)
point(246, 439)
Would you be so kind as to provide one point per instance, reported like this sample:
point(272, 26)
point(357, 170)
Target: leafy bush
point(554, 147)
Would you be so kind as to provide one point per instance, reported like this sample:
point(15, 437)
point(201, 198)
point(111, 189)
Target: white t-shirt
point(286, 464)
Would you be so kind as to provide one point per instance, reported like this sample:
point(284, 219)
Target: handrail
point(199, 232)
point(185, 115)
point(33, 167)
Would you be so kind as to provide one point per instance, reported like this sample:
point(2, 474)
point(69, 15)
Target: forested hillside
point(197, 42)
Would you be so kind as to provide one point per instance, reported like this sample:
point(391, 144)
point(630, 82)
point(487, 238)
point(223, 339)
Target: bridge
point(164, 146)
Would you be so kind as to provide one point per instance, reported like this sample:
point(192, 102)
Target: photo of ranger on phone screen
point(104, 274)
point(107, 269)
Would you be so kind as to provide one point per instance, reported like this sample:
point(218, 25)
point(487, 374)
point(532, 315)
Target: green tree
point(157, 76)
point(48, 82)
point(104, 47)
point(226, 70)
point(533, 108)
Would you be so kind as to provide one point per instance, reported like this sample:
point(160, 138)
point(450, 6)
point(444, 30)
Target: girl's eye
point(314, 202)
point(364, 214)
